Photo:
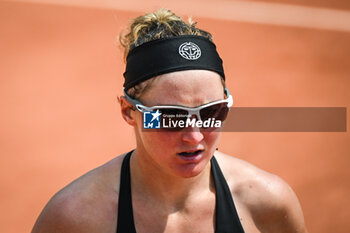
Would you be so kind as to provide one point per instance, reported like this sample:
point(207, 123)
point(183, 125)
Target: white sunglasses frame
point(191, 111)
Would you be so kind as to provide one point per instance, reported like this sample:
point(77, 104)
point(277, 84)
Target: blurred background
point(61, 72)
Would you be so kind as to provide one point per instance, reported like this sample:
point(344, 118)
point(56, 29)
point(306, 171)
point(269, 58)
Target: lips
point(191, 155)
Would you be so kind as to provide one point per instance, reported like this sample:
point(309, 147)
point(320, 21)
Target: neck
point(155, 184)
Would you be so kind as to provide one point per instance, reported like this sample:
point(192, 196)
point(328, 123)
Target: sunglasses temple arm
point(132, 101)
point(229, 96)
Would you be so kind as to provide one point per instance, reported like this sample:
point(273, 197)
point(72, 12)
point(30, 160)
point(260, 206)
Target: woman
point(175, 180)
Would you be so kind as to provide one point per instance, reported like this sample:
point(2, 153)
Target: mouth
point(191, 155)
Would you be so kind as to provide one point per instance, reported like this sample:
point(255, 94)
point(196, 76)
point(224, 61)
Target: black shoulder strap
point(125, 222)
point(227, 220)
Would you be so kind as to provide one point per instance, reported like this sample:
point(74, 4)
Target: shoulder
point(271, 202)
point(88, 204)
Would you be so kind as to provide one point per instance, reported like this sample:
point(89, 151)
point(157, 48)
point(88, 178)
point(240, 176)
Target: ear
point(127, 111)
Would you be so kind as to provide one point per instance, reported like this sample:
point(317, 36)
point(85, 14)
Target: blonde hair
point(160, 24)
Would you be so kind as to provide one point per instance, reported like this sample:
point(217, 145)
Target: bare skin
point(168, 194)
point(264, 203)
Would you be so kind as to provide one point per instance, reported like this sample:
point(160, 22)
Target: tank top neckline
point(226, 216)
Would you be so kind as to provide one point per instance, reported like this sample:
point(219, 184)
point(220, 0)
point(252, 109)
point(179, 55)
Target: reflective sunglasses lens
point(217, 111)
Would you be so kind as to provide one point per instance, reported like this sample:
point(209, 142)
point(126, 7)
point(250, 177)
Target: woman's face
point(183, 153)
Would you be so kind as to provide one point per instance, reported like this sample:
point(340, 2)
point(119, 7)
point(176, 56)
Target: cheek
point(160, 142)
point(152, 141)
point(212, 138)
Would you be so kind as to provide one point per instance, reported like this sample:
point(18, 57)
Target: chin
point(191, 170)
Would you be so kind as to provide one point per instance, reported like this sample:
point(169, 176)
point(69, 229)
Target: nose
point(192, 135)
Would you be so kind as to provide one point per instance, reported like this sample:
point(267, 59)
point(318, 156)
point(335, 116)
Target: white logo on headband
point(190, 51)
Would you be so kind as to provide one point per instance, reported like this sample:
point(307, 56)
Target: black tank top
point(227, 220)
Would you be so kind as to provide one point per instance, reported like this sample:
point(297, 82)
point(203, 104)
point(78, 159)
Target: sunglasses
point(216, 110)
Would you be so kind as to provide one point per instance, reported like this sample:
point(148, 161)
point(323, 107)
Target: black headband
point(167, 55)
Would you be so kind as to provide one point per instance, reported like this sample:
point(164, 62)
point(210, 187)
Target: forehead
point(188, 88)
